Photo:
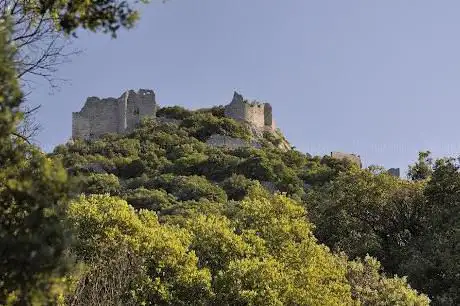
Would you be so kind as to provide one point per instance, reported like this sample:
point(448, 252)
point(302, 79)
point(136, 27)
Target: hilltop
point(185, 142)
point(123, 114)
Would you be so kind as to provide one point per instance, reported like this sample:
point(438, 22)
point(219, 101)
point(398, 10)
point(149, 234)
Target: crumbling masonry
point(256, 113)
point(123, 114)
point(113, 115)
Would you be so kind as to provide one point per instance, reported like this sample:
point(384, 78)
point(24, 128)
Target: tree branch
point(22, 137)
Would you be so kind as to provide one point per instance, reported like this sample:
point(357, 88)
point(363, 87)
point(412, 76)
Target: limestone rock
point(217, 140)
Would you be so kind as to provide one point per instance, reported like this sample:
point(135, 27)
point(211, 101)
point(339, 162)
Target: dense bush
point(216, 111)
point(100, 184)
point(154, 200)
point(203, 125)
point(174, 112)
point(237, 186)
point(160, 269)
point(259, 251)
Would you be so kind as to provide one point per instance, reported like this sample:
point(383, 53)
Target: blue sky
point(377, 78)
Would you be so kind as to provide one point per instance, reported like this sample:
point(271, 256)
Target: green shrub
point(132, 169)
point(155, 200)
point(96, 183)
point(203, 125)
point(237, 186)
point(186, 188)
point(174, 112)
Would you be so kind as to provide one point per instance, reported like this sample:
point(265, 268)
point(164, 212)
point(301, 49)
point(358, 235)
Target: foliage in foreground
point(259, 251)
point(412, 227)
point(33, 188)
point(33, 192)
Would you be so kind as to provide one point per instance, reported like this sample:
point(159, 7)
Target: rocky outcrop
point(217, 140)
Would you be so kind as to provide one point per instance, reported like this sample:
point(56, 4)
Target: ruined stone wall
point(139, 105)
point(122, 113)
point(236, 109)
point(132, 110)
point(257, 114)
point(80, 126)
point(97, 117)
point(112, 115)
point(165, 120)
point(147, 103)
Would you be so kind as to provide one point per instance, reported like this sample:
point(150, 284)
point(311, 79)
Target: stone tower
point(255, 113)
point(113, 115)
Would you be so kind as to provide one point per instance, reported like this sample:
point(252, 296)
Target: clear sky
point(377, 78)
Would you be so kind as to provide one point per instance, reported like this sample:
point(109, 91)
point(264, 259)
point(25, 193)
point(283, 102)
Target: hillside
point(182, 144)
point(214, 225)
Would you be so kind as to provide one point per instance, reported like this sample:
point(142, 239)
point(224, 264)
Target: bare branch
point(29, 127)
point(40, 50)
point(40, 47)
point(26, 34)
point(32, 110)
point(22, 137)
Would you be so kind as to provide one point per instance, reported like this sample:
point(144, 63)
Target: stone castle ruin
point(123, 114)
point(257, 114)
point(113, 115)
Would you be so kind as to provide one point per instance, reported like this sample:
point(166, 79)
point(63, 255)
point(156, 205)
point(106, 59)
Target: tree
point(410, 226)
point(289, 267)
point(423, 168)
point(33, 193)
point(33, 188)
point(29, 128)
point(39, 46)
point(363, 213)
point(434, 262)
point(371, 288)
point(97, 183)
point(158, 267)
point(237, 186)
